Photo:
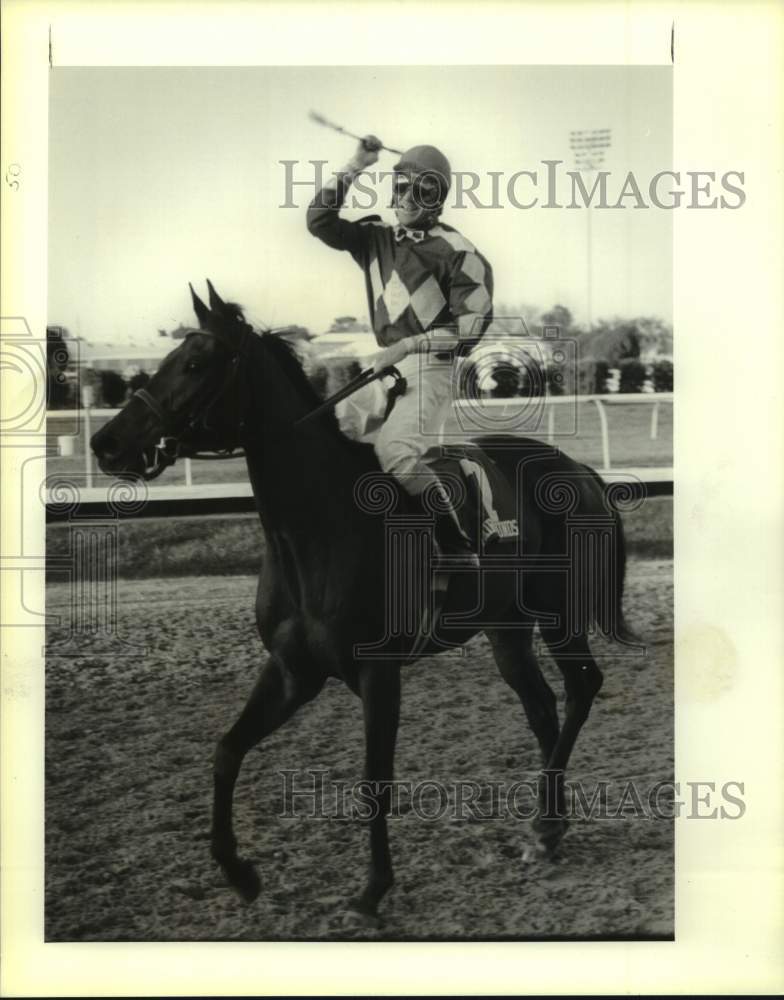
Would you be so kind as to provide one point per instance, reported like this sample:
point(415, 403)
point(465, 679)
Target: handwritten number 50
point(13, 175)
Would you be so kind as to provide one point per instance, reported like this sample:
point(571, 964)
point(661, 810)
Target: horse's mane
point(289, 361)
point(287, 358)
point(283, 351)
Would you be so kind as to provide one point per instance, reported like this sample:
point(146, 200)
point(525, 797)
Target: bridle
point(169, 448)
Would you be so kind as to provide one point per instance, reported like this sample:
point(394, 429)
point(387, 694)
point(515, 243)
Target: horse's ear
point(202, 312)
point(216, 302)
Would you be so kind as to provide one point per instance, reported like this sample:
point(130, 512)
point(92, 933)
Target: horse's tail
point(620, 629)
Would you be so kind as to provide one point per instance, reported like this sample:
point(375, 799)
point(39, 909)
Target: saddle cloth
point(483, 498)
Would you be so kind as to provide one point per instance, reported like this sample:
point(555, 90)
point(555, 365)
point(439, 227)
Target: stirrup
point(454, 557)
point(431, 616)
point(452, 548)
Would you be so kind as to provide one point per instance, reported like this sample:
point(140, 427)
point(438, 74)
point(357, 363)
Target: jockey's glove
point(365, 156)
point(422, 343)
point(395, 353)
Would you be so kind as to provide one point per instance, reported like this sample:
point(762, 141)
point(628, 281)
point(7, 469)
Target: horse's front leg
point(278, 693)
point(379, 688)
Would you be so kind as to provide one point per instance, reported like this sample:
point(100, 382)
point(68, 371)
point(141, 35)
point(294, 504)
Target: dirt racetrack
point(129, 745)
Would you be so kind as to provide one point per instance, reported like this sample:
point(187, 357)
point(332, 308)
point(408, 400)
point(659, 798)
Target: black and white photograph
point(355, 458)
point(520, 480)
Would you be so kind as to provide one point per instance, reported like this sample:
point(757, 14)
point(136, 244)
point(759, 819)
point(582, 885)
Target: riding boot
point(452, 547)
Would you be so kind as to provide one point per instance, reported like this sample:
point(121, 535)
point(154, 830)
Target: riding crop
point(321, 120)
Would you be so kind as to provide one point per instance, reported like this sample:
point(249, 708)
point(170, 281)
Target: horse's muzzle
point(109, 451)
point(113, 457)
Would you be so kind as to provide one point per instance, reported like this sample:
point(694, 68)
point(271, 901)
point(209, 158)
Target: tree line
point(614, 355)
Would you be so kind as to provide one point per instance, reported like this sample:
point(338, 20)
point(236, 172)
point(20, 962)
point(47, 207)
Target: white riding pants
point(416, 420)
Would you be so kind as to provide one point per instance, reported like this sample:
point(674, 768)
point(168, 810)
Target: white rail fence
point(601, 402)
point(84, 418)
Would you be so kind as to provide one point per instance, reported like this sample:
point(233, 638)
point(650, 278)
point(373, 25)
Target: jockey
point(428, 290)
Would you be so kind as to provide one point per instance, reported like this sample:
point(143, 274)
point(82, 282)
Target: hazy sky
point(163, 176)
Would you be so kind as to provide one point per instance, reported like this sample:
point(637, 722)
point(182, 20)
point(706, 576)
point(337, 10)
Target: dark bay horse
point(323, 598)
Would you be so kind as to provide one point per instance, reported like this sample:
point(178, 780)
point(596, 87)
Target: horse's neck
point(303, 477)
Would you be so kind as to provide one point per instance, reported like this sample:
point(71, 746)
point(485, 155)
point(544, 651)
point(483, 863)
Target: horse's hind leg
point(513, 650)
point(277, 695)
point(582, 680)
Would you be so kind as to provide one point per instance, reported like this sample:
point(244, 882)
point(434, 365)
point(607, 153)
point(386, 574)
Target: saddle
point(483, 498)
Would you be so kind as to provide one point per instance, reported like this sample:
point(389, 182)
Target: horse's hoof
point(243, 877)
point(539, 851)
point(248, 883)
point(550, 833)
point(359, 917)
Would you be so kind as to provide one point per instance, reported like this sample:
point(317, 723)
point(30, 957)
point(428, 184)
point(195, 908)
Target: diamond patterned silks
point(396, 297)
point(375, 279)
point(435, 279)
point(426, 302)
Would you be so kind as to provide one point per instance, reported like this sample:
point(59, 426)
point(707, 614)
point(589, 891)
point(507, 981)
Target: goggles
point(424, 190)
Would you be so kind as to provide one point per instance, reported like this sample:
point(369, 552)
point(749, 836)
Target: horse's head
point(193, 402)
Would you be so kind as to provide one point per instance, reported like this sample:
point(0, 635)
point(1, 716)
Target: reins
point(168, 448)
point(364, 378)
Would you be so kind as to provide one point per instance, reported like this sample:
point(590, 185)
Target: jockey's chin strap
point(169, 447)
point(364, 378)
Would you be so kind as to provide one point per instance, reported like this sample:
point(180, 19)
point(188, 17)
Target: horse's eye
point(192, 366)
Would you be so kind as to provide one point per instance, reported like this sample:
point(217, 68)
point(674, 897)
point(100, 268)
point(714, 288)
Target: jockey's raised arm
point(323, 212)
point(428, 289)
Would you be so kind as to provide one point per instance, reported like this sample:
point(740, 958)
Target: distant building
point(118, 357)
point(347, 337)
point(348, 324)
point(294, 333)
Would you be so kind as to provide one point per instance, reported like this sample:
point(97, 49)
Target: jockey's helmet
point(421, 182)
